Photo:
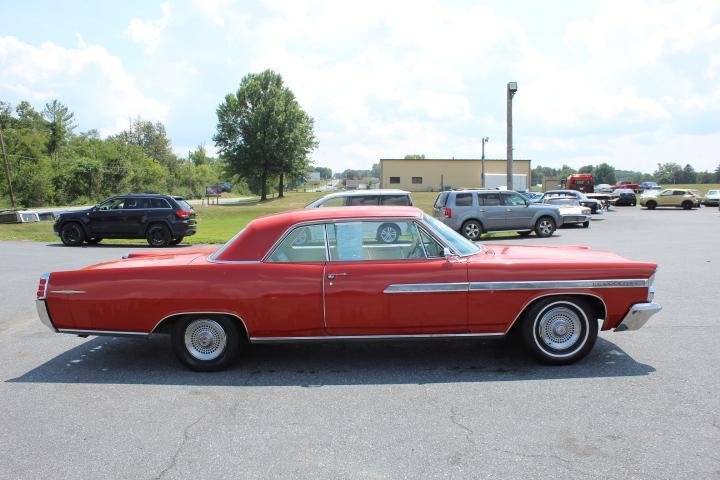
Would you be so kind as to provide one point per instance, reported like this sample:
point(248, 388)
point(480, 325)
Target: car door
point(492, 211)
point(665, 198)
point(135, 216)
point(517, 212)
point(379, 289)
point(106, 218)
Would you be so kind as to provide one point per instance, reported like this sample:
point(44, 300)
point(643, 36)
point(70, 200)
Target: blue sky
point(631, 83)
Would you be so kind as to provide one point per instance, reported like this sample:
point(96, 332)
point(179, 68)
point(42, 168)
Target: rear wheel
point(472, 230)
point(206, 343)
point(72, 234)
point(651, 205)
point(559, 330)
point(158, 235)
point(544, 227)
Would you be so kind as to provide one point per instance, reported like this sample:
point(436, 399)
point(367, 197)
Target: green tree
point(717, 173)
point(688, 174)
point(151, 138)
point(587, 169)
point(375, 170)
point(668, 173)
point(199, 156)
point(263, 133)
point(604, 173)
point(61, 123)
point(414, 156)
point(325, 173)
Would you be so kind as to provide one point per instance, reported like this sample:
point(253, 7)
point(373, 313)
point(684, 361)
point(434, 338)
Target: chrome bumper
point(638, 316)
point(44, 315)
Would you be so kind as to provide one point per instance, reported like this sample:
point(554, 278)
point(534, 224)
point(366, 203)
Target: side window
point(302, 244)
point(416, 179)
point(679, 192)
point(463, 199)
point(395, 200)
point(489, 199)
point(376, 240)
point(357, 200)
point(135, 203)
point(334, 202)
point(514, 199)
point(118, 204)
point(111, 204)
point(394, 179)
point(158, 203)
point(666, 193)
point(432, 248)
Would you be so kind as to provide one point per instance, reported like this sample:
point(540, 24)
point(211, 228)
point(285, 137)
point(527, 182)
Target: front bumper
point(575, 219)
point(638, 315)
point(44, 314)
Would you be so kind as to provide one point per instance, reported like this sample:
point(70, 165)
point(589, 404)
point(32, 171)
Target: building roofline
point(457, 159)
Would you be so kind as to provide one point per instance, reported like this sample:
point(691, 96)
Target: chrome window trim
point(276, 245)
point(68, 292)
point(431, 233)
point(369, 337)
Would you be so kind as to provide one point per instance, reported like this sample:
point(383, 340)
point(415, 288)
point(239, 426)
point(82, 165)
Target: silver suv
point(474, 212)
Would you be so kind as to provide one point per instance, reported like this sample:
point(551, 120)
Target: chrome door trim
point(369, 337)
point(560, 284)
point(68, 292)
point(109, 333)
point(426, 287)
point(524, 307)
point(234, 315)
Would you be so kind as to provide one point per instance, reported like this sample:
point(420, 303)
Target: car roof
point(150, 195)
point(353, 193)
point(260, 234)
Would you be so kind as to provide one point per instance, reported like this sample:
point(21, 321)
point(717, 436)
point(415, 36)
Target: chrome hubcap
point(559, 328)
point(205, 339)
point(545, 227)
point(388, 234)
point(472, 231)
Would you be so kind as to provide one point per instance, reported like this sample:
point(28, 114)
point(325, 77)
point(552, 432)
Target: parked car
point(712, 198)
point(348, 286)
point(364, 198)
point(571, 210)
point(649, 186)
point(671, 197)
point(388, 232)
point(594, 205)
point(474, 212)
point(160, 219)
point(623, 196)
point(533, 197)
point(604, 188)
point(628, 184)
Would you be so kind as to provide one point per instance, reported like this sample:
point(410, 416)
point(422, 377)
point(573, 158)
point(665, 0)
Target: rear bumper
point(638, 315)
point(44, 314)
point(184, 229)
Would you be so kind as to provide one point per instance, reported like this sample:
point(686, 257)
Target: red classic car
point(315, 274)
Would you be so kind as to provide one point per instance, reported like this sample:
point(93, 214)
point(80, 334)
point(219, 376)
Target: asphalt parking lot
point(643, 404)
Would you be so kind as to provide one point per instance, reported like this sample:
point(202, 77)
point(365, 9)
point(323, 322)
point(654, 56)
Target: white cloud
point(149, 32)
point(95, 80)
point(214, 10)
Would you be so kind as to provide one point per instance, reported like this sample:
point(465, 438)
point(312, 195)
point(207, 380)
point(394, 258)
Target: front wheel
point(687, 205)
point(651, 205)
point(388, 233)
point(206, 344)
point(158, 236)
point(559, 331)
point(544, 227)
point(72, 235)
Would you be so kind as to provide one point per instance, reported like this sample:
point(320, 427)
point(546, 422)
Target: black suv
point(161, 219)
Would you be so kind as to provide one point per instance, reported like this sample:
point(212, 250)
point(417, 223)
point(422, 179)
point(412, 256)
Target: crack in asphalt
point(186, 437)
point(453, 419)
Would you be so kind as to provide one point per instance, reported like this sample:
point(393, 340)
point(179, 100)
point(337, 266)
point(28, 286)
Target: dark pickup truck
point(160, 219)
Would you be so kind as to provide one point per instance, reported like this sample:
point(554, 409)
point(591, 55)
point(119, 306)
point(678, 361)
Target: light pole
point(511, 89)
point(484, 139)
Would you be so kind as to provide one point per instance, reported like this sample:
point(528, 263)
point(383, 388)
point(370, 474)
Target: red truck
point(582, 182)
point(629, 185)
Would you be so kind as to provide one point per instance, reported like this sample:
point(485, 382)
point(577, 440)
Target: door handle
point(508, 209)
point(333, 275)
point(481, 210)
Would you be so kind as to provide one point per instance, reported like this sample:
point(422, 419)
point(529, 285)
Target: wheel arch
point(75, 220)
point(160, 221)
point(596, 302)
point(165, 324)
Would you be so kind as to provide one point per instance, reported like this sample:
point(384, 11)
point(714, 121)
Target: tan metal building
point(434, 174)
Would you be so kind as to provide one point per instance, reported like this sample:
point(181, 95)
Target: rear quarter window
point(357, 200)
point(403, 200)
point(441, 199)
point(183, 204)
point(463, 199)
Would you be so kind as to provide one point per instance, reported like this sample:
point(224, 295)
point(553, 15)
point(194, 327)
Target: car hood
point(559, 254)
point(153, 259)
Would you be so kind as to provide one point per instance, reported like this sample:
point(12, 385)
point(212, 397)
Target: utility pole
point(7, 170)
point(484, 139)
point(511, 89)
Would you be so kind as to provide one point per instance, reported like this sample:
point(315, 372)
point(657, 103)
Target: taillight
point(43, 286)
point(183, 214)
point(448, 212)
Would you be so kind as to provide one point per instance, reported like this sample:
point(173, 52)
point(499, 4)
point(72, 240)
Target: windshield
point(462, 245)
point(562, 201)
